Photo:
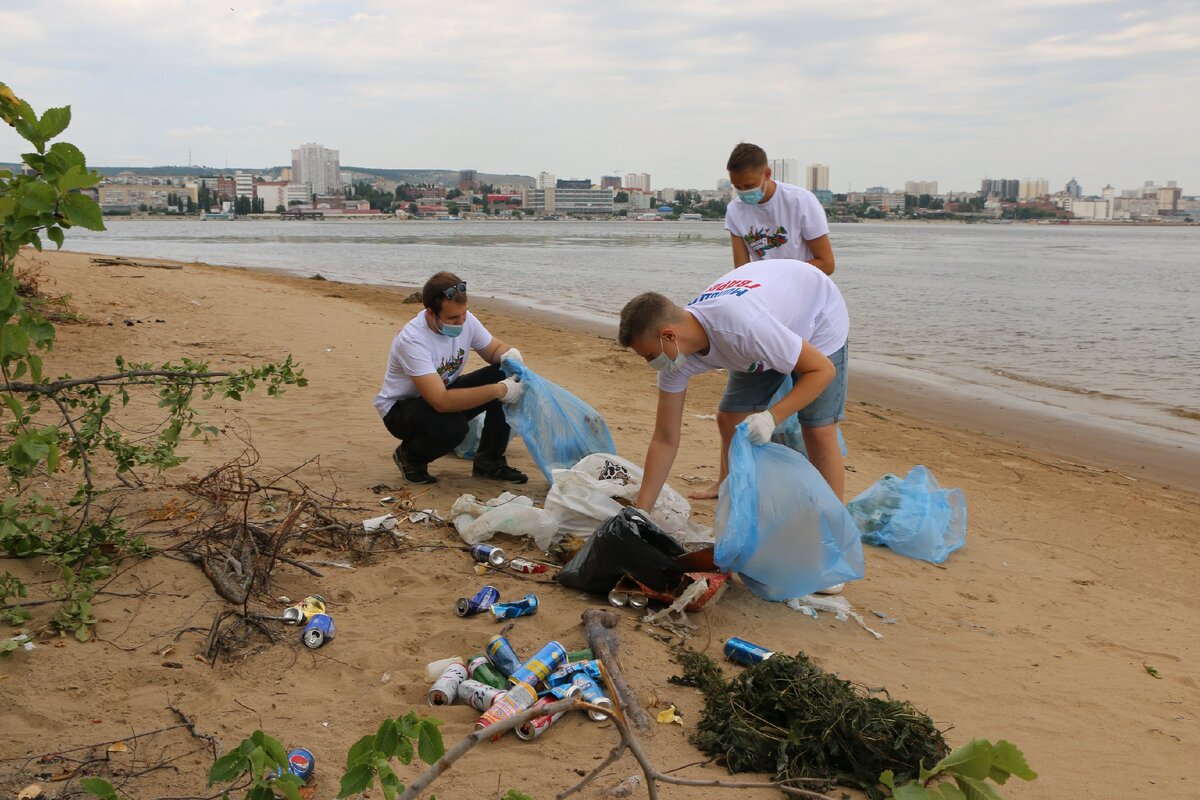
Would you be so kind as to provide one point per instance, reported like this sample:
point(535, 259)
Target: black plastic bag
point(627, 544)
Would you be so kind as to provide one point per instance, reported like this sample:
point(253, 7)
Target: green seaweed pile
point(789, 718)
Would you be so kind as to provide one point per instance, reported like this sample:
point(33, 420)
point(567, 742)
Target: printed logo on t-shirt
point(757, 366)
point(723, 288)
point(760, 241)
point(447, 368)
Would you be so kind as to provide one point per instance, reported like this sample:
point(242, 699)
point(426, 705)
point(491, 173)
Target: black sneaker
point(499, 472)
point(413, 473)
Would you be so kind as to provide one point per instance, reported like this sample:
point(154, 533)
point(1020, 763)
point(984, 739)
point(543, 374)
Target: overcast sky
point(882, 92)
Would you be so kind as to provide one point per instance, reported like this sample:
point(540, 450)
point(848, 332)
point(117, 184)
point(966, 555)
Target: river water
point(1098, 319)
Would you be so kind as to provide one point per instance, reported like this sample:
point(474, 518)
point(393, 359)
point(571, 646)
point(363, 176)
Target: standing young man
point(768, 219)
point(760, 322)
point(426, 402)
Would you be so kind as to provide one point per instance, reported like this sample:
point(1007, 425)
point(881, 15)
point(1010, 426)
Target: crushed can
point(488, 554)
point(300, 763)
point(478, 695)
point(525, 607)
point(590, 692)
point(519, 697)
point(502, 656)
point(481, 670)
point(524, 565)
point(742, 652)
point(537, 726)
point(319, 630)
point(537, 669)
point(293, 615)
point(482, 600)
point(563, 675)
point(445, 689)
point(311, 605)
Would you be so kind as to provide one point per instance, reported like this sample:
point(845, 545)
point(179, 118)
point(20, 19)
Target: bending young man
point(760, 322)
point(427, 403)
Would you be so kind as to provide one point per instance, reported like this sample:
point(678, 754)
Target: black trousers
point(426, 435)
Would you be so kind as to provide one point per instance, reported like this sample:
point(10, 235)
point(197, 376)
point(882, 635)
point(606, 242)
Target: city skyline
point(883, 94)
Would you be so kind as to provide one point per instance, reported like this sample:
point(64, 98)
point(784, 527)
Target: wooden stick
point(598, 624)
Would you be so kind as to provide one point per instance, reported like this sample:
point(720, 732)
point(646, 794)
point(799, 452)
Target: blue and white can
point(484, 599)
point(525, 607)
point(300, 763)
point(319, 630)
point(742, 652)
point(502, 656)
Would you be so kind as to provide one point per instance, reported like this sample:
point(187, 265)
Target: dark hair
point(746, 156)
point(433, 294)
point(645, 313)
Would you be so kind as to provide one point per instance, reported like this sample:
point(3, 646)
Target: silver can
point(478, 695)
point(445, 689)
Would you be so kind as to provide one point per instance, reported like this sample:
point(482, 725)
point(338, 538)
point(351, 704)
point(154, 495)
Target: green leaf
point(54, 122)
point(389, 782)
point(945, 791)
point(1008, 758)
point(976, 788)
point(387, 738)
point(75, 177)
point(1152, 672)
point(100, 788)
point(360, 750)
point(356, 779)
point(82, 211)
point(973, 759)
point(273, 749)
point(37, 196)
point(888, 778)
point(228, 767)
point(55, 234)
point(289, 784)
point(258, 763)
point(14, 341)
point(910, 791)
point(429, 742)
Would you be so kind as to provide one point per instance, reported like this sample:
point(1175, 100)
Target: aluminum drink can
point(318, 631)
point(293, 615)
point(508, 704)
point(580, 655)
point(434, 669)
point(312, 605)
point(742, 652)
point(502, 656)
point(488, 554)
point(562, 676)
point(482, 600)
point(478, 695)
point(526, 566)
point(591, 693)
point(536, 727)
point(445, 689)
point(525, 607)
point(482, 670)
point(301, 763)
point(538, 668)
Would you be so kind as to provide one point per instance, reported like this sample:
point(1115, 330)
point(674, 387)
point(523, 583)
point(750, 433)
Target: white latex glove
point(512, 391)
point(512, 354)
point(761, 426)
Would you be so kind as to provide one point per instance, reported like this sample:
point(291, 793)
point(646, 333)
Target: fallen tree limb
point(598, 624)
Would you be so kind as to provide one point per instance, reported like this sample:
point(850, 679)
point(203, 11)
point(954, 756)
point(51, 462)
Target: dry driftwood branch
point(598, 625)
point(121, 261)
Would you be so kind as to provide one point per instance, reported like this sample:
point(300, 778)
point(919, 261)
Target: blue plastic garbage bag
point(470, 443)
point(914, 516)
point(558, 427)
point(787, 433)
point(780, 526)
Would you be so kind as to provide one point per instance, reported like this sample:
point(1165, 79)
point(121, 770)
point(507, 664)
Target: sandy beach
point(1041, 630)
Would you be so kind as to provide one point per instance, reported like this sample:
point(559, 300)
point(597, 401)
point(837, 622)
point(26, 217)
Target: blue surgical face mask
point(752, 196)
point(445, 329)
point(664, 363)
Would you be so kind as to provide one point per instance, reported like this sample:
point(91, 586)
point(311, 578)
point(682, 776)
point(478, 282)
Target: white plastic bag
point(511, 514)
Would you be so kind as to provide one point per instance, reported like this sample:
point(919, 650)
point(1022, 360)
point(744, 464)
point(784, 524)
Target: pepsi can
point(300, 763)
point(742, 652)
point(502, 656)
point(591, 693)
point(484, 599)
point(445, 689)
point(478, 695)
point(538, 668)
point(488, 554)
point(318, 631)
point(525, 607)
point(537, 726)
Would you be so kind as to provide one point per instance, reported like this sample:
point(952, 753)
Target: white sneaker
point(835, 589)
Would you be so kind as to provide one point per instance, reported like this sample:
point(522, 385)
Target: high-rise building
point(545, 180)
point(1033, 188)
point(318, 167)
point(1000, 188)
point(610, 181)
point(573, 183)
point(918, 188)
point(1168, 197)
point(816, 176)
point(785, 170)
point(639, 181)
point(1073, 188)
point(468, 179)
point(244, 184)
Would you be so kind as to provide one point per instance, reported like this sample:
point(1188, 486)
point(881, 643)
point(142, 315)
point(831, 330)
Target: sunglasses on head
point(453, 291)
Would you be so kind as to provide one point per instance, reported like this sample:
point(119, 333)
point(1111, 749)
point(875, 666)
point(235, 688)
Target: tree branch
point(108, 380)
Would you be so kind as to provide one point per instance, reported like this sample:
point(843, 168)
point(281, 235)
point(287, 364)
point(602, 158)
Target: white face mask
point(663, 363)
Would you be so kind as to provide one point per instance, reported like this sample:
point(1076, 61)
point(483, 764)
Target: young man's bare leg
point(825, 454)
point(726, 422)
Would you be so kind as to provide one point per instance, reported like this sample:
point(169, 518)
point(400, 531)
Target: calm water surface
point(1106, 317)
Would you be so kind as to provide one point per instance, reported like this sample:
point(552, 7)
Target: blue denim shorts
point(752, 391)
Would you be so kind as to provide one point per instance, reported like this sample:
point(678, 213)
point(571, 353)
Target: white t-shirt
point(780, 227)
point(418, 351)
point(757, 318)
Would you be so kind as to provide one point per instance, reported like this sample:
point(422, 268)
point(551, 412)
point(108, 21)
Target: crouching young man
point(427, 403)
point(760, 322)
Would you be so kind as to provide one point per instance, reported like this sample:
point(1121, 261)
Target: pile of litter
point(788, 717)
